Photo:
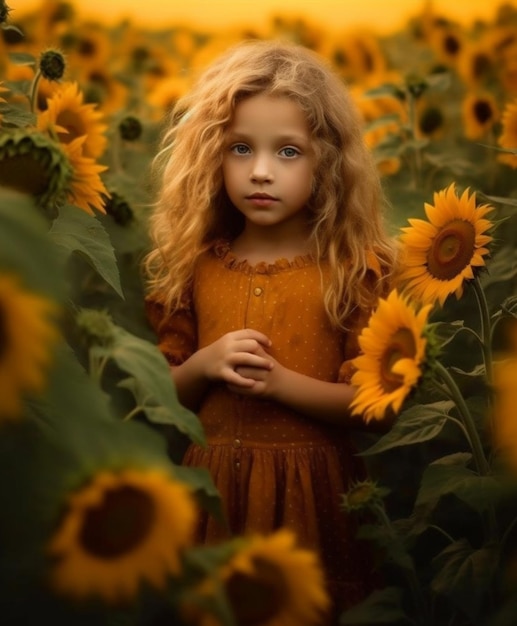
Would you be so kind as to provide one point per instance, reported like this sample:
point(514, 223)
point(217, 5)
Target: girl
point(269, 254)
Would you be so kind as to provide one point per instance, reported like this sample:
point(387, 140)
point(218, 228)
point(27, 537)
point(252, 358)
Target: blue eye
point(289, 152)
point(240, 148)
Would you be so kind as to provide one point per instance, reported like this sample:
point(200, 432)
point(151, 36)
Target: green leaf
point(21, 58)
point(16, 116)
point(151, 383)
point(25, 248)
point(392, 544)
point(380, 607)
point(76, 231)
point(449, 475)
point(499, 199)
point(503, 266)
point(382, 121)
point(388, 89)
point(200, 479)
point(464, 575)
point(417, 424)
point(446, 331)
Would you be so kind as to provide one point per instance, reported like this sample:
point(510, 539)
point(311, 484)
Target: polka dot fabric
point(273, 466)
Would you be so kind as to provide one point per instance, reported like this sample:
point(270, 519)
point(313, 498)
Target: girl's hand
point(235, 353)
point(267, 381)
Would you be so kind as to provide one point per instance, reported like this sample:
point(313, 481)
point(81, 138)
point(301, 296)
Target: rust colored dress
point(273, 466)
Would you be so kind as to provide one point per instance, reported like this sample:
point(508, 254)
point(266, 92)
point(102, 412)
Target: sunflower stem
point(475, 442)
point(416, 161)
point(411, 577)
point(486, 331)
point(33, 93)
point(97, 365)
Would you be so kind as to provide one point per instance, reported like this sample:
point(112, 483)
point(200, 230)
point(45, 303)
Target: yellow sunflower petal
point(118, 530)
point(26, 351)
point(393, 352)
point(453, 250)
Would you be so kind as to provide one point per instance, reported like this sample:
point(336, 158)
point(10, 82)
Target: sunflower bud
point(416, 86)
point(52, 65)
point(119, 209)
point(362, 495)
point(4, 12)
point(130, 128)
point(95, 327)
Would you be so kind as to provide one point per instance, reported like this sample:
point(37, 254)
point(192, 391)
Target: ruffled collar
point(222, 251)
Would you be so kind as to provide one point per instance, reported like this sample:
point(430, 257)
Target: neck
point(263, 244)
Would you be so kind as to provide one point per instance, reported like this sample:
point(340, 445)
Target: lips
point(261, 196)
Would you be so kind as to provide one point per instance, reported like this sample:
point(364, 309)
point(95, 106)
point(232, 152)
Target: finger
point(231, 377)
point(254, 373)
point(250, 333)
point(250, 345)
point(251, 360)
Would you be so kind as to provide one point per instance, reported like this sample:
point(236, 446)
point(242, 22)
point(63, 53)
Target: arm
point(225, 360)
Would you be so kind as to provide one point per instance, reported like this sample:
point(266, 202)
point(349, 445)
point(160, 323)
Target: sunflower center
point(451, 45)
point(483, 111)
point(258, 597)
point(481, 65)
point(402, 345)
point(118, 524)
point(451, 250)
point(24, 173)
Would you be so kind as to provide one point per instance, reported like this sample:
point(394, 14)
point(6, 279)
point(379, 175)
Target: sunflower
point(88, 47)
point(86, 189)
point(27, 335)
point(33, 164)
point(504, 412)
point(118, 530)
point(508, 137)
point(356, 55)
point(480, 113)
point(393, 351)
point(442, 253)
point(448, 41)
point(70, 118)
point(476, 65)
point(268, 582)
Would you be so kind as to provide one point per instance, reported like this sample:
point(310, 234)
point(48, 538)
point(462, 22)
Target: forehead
point(269, 113)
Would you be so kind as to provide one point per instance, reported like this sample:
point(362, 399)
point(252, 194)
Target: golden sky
point(383, 15)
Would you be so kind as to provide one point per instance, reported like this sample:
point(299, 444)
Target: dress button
point(237, 443)
point(258, 291)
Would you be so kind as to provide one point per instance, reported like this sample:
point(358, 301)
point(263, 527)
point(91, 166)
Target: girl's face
point(268, 161)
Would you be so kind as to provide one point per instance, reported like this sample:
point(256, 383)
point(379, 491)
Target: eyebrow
point(287, 138)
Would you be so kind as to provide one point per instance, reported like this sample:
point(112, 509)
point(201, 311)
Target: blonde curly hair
point(192, 209)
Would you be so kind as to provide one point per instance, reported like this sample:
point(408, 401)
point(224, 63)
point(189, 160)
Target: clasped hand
point(240, 359)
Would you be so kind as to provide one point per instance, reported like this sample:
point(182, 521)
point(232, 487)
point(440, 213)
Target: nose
point(261, 169)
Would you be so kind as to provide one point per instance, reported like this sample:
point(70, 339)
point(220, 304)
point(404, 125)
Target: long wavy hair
point(192, 209)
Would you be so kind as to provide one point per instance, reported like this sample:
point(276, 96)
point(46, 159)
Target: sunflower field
point(97, 513)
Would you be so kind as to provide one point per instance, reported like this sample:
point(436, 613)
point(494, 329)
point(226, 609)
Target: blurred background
point(384, 16)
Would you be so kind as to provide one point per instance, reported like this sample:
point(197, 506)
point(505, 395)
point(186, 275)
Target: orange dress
point(272, 466)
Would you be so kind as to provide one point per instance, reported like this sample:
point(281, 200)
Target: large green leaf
point(392, 544)
point(25, 248)
point(464, 575)
point(200, 480)
point(449, 475)
point(76, 231)
point(151, 382)
point(419, 423)
point(380, 607)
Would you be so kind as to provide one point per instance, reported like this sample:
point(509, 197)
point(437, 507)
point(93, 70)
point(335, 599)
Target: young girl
point(269, 254)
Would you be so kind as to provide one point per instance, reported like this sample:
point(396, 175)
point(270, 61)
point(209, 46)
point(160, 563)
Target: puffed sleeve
point(358, 320)
point(176, 333)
